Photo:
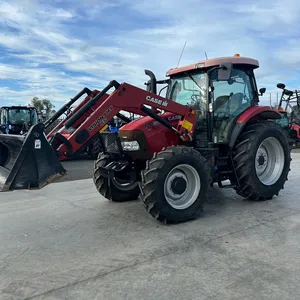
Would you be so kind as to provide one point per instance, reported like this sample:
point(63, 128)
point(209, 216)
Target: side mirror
point(262, 91)
point(281, 86)
point(225, 71)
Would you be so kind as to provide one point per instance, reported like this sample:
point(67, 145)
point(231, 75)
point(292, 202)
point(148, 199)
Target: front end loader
point(57, 133)
point(208, 129)
point(36, 156)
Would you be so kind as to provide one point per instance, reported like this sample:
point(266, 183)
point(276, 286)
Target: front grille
point(111, 142)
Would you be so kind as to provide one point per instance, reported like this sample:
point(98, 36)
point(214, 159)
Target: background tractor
point(290, 121)
point(17, 119)
point(208, 129)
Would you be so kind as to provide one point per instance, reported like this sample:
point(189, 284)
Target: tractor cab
point(17, 119)
point(219, 96)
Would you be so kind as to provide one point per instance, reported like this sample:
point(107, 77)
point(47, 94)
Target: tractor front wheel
point(174, 184)
point(123, 187)
point(262, 159)
point(95, 148)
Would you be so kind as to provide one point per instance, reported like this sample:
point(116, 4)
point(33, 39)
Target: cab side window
point(233, 96)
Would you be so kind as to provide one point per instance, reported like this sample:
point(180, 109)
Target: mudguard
point(253, 113)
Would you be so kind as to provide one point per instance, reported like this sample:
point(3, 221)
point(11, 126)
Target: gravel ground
point(80, 168)
point(67, 242)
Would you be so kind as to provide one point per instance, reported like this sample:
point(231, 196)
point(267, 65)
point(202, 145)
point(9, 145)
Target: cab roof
point(213, 62)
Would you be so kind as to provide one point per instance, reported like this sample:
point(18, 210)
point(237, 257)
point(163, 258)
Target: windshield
point(189, 89)
point(20, 116)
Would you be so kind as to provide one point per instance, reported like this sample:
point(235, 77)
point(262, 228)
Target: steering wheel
point(195, 98)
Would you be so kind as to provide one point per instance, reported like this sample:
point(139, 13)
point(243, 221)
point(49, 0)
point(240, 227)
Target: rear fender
point(250, 116)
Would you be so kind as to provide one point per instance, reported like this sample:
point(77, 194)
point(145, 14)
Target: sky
point(53, 49)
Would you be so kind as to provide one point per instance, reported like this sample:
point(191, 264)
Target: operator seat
point(220, 102)
point(233, 108)
point(236, 101)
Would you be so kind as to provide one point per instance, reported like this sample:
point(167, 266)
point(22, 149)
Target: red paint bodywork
point(256, 111)
point(297, 129)
point(157, 135)
point(215, 62)
point(79, 121)
point(128, 98)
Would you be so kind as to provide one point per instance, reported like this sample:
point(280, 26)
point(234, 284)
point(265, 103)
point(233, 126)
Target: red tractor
point(290, 121)
point(208, 129)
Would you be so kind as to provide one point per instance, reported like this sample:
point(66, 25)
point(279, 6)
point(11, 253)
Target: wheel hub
point(178, 185)
point(269, 161)
point(261, 160)
point(182, 186)
point(125, 181)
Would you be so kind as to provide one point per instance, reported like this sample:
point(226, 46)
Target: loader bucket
point(28, 162)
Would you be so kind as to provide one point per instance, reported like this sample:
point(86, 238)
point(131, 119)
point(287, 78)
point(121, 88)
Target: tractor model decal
point(102, 119)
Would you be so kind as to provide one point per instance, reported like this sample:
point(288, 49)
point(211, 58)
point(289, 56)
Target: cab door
point(230, 99)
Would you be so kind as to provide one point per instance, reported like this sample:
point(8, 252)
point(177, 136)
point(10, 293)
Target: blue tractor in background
point(17, 119)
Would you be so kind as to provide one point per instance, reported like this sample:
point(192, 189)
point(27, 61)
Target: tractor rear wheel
point(262, 159)
point(174, 184)
point(123, 187)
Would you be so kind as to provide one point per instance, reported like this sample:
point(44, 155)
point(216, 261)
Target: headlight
point(130, 146)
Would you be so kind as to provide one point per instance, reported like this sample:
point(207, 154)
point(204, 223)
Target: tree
point(43, 105)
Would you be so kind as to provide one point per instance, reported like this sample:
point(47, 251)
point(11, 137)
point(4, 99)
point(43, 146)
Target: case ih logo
point(176, 117)
point(102, 119)
point(157, 101)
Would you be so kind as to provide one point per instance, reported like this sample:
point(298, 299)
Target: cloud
point(54, 49)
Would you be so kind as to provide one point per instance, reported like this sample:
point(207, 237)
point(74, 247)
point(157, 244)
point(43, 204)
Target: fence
point(271, 99)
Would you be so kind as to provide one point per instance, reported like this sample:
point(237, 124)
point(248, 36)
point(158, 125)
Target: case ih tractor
point(208, 129)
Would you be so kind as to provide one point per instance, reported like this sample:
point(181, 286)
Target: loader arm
point(90, 95)
point(30, 162)
point(127, 98)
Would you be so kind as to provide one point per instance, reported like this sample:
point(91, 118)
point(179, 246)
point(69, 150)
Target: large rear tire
point(262, 159)
point(174, 184)
point(122, 189)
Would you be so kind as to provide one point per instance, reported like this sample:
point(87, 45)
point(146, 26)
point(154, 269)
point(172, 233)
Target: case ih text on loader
point(223, 134)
